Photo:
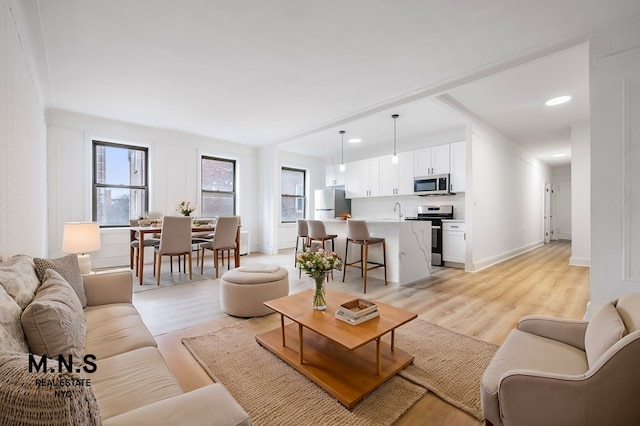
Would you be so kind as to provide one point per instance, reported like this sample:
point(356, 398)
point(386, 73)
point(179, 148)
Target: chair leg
point(159, 268)
point(215, 261)
point(202, 262)
point(190, 265)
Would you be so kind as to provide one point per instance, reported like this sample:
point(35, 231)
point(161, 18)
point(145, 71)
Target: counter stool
point(303, 232)
point(318, 233)
point(358, 233)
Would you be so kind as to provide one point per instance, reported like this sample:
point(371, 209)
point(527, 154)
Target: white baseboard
point(493, 260)
point(579, 261)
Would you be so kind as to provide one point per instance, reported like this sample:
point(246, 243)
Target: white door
point(563, 215)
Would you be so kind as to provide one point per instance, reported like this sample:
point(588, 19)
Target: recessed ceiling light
point(559, 155)
point(557, 101)
point(355, 140)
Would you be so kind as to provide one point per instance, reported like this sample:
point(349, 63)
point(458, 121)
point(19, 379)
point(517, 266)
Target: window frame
point(303, 196)
point(95, 185)
point(234, 191)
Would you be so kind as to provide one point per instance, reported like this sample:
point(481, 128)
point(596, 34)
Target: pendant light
point(394, 159)
point(342, 162)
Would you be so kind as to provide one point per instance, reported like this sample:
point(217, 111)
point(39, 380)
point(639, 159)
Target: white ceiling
point(293, 72)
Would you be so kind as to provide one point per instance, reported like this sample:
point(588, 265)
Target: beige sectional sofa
point(111, 372)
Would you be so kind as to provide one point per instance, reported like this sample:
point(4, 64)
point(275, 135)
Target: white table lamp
point(81, 238)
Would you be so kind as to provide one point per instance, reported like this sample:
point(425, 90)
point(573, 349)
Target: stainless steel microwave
point(431, 185)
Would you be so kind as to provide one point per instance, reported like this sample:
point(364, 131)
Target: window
point(218, 192)
point(120, 183)
point(292, 190)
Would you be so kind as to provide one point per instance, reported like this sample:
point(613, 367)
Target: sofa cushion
point(114, 329)
point(11, 334)
point(604, 329)
point(187, 409)
point(32, 397)
point(54, 322)
point(18, 277)
point(67, 266)
point(526, 351)
point(628, 308)
point(130, 380)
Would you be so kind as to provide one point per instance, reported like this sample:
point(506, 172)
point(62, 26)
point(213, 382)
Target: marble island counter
point(408, 248)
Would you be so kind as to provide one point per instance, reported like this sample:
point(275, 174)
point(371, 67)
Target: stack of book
point(357, 311)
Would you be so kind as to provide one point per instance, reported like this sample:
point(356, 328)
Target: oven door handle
point(436, 227)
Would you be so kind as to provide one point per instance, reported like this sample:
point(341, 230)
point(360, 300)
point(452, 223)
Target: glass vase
point(319, 295)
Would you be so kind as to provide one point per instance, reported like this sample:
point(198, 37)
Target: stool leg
point(364, 264)
point(384, 259)
point(346, 260)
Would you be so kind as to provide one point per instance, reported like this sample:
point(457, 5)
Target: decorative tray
point(357, 308)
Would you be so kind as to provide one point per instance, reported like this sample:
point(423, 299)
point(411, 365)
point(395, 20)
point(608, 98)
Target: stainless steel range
point(435, 214)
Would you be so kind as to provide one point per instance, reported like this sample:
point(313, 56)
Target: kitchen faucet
point(399, 210)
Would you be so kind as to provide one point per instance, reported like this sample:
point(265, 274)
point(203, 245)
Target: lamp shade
point(81, 237)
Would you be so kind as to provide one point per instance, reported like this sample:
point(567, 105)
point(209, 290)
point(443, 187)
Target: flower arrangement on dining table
point(317, 263)
point(185, 208)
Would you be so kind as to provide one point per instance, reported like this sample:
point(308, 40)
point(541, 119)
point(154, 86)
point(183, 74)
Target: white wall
point(23, 147)
point(508, 198)
point(615, 155)
point(580, 196)
point(173, 176)
point(315, 168)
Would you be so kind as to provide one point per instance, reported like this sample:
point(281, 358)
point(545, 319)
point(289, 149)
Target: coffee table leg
point(284, 343)
point(300, 343)
point(393, 339)
point(378, 356)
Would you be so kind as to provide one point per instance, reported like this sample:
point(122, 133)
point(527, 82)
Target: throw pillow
point(66, 266)
point(604, 329)
point(18, 277)
point(54, 322)
point(11, 334)
point(34, 397)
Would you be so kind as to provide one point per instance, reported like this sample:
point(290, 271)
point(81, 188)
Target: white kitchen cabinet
point(458, 166)
point(362, 178)
point(433, 160)
point(333, 175)
point(453, 242)
point(396, 179)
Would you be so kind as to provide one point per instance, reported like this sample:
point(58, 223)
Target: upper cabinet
point(432, 161)
point(381, 177)
point(396, 178)
point(334, 176)
point(458, 161)
point(362, 178)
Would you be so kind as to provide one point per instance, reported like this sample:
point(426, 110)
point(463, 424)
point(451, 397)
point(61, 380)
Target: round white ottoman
point(242, 290)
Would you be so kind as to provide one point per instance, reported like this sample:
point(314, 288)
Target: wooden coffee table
point(348, 361)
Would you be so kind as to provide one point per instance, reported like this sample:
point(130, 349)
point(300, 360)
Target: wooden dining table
point(144, 230)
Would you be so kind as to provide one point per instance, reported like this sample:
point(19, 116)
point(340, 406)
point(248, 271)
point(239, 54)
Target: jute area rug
point(273, 393)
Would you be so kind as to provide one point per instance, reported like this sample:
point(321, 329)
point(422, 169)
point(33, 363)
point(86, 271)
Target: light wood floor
point(486, 305)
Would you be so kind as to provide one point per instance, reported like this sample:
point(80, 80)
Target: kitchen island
point(408, 248)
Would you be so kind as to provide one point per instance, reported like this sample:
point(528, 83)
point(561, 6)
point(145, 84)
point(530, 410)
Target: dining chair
point(135, 247)
point(175, 240)
point(358, 233)
point(224, 239)
point(198, 238)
